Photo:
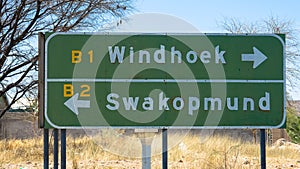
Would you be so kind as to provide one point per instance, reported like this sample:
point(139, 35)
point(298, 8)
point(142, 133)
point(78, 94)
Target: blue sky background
point(206, 15)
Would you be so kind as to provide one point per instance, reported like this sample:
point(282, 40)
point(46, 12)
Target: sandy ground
point(245, 163)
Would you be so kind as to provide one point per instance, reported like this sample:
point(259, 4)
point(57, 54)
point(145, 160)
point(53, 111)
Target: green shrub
point(293, 125)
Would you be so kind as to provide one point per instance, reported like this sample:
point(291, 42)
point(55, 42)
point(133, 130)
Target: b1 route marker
point(164, 80)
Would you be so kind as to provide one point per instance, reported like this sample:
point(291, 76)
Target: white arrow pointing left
point(73, 103)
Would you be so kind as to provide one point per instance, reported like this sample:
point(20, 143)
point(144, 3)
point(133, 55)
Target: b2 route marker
point(164, 80)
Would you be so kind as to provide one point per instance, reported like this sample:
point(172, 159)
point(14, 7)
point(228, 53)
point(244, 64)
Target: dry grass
point(187, 152)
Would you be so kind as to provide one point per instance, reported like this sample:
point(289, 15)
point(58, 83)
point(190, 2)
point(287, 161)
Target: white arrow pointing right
point(257, 57)
point(73, 104)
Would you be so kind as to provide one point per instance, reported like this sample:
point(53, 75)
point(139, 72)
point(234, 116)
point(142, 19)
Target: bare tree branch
point(20, 22)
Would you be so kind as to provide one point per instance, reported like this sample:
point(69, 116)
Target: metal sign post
point(263, 148)
point(146, 138)
point(55, 148)
point(165, 148)
point(63, 148)
point(46, 148)
point(146, 153)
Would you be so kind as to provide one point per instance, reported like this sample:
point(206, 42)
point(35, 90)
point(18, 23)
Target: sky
point(206, 16)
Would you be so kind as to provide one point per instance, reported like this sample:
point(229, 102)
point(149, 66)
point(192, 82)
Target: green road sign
point(164, 80)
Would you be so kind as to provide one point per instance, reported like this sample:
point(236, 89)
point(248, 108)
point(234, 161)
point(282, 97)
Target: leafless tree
point(21, 20)
point(273, 24)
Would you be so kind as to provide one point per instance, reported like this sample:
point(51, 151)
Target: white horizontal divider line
point(167, 80)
